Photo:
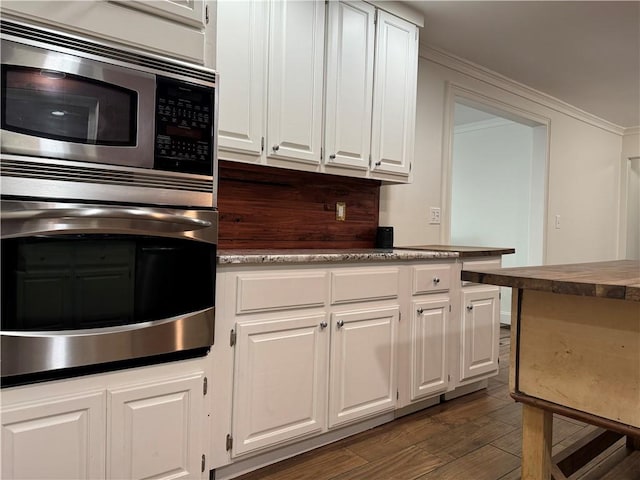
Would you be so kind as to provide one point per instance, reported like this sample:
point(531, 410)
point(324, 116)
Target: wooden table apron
point(577, 356)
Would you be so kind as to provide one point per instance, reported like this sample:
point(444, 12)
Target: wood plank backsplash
point(266, 207)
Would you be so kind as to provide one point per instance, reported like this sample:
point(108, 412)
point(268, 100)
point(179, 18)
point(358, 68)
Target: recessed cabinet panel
point(280, 381)
point(185, 11)
point(241, 57)
point(480, 331)
point(394, 95)
point(429, 374)
point(156, 431)
point(349, 78)
point(363, 364)
point(280, 290)
point(63, 439)
point(431, 278)
point(296, 54)
point(364, 284)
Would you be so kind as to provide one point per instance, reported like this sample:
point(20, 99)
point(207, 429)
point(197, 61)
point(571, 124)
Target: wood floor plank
point(486, 463)
point(468, 408)
point(407, 464)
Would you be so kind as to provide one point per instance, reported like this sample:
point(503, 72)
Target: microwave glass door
point(62, 106)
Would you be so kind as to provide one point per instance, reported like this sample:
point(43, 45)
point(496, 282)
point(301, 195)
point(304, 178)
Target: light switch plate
point(341, 211)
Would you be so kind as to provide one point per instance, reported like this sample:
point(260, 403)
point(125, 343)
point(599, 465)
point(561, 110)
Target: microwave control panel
point(184, 127)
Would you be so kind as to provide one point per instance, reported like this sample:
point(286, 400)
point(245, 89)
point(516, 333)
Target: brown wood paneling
point(265, 207)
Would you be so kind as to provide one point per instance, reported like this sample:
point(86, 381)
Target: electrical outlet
point(434, 215)
point(341, 211)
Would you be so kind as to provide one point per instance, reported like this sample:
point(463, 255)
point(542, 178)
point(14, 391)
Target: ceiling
point(585, 53)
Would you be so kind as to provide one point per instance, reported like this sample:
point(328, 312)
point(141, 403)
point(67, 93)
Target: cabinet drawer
point(430, 278)
point(480, 264)
point(280, 291)
point(364, 284)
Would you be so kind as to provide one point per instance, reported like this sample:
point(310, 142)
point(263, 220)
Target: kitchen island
point(575, 351)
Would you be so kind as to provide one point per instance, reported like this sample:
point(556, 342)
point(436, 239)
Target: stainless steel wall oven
point(109, 218)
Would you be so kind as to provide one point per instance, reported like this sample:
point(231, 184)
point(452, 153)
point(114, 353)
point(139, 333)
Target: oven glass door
point(93, 281)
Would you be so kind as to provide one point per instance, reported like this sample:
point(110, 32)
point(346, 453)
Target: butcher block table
point(575, 351)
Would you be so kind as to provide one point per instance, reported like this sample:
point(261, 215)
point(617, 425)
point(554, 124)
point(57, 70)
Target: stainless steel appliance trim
point(115, 54)
point(32, 352)
point(141, 154)
point(28, 218)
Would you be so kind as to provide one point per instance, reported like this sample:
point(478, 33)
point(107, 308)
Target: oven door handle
point(99, 212)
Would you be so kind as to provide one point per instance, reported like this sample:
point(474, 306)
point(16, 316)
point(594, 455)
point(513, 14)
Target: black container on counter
point(384, 237)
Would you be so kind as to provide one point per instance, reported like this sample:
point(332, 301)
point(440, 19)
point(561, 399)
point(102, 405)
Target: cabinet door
point(241, 61)
point(429, 372)
point(349, 88)
point(279, 381)
point(296, 50)
point(190, 12)
point(394, 95)
point(480, 332)
point(363, 364)
point(55, 439)
point(156, 430)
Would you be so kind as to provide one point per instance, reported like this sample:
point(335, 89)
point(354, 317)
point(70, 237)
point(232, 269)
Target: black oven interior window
point(61, 106)
point(69, 283)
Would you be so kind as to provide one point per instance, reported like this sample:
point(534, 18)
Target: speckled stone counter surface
point(317, 256)
point(463, 251)
point(617, 279)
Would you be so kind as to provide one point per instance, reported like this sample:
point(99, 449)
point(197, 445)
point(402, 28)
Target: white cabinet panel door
point(156, 430)
point(190, 12)
point(394, 95)
point(280, 381)
point(363, 364)
point(241, 61)
point(429, 367)
point(480, 332)
point(296, 52)
point(349, 89)
point(56, 439)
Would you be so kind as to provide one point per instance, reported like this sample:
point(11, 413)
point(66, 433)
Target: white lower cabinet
point(61, 438)
point(148, 422)
point(428, 347)
point(480, 331)
point(280, 380)
point(155, 430)
point(363, 363)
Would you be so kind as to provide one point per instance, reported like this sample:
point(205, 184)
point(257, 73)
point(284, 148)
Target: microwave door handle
point(97, 213)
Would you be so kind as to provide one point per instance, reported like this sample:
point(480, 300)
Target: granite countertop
point(251, 256)
point(616, 279)
point(465, 251)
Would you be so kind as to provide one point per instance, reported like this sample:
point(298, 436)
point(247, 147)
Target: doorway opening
point(633, 209)
point(498, 184)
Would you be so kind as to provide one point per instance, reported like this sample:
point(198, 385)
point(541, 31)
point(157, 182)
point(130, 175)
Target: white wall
point(584, 168)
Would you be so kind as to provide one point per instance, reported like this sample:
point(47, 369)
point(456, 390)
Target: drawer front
point(430, 278)
point(364, 284)
point(280, 291)
point(480, 264)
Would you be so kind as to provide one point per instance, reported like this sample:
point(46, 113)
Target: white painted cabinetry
point(394, 95)
point(61, 437)
point(148, 422)
point(279, 380)
point(271, 57)
point(273, 66)
point(349, 84)
point(179, 28)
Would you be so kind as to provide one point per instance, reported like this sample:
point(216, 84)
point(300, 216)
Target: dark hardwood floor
point(475, 437)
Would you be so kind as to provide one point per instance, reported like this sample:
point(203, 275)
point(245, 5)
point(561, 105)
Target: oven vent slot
point(103, 176)
point(79, 44)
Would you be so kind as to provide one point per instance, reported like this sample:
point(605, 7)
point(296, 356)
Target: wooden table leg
point(536, 443)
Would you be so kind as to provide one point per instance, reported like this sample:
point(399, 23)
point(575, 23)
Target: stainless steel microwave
point(66, 98)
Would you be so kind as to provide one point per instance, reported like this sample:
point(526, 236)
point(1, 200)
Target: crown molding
point(458, 64)
point(632, 130)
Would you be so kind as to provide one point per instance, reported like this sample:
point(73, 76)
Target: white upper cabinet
point(296, 53)
point(241, 59)
point(394, 95)
point(349, 83)
point(166, 27)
